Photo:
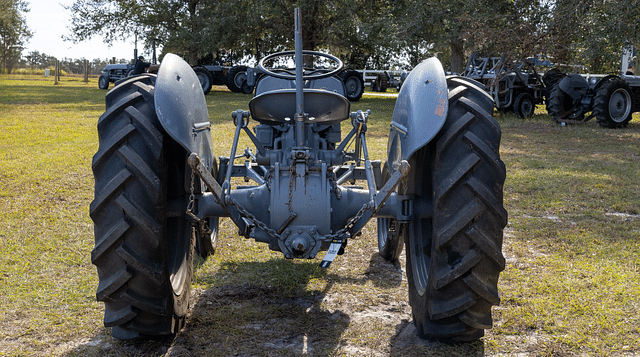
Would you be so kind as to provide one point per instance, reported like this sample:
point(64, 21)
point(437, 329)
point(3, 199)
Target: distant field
point(571, 286)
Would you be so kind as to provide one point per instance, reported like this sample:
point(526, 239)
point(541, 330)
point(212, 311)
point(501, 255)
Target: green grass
point(571, 286)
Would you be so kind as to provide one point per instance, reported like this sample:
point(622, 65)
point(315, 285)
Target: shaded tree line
point(36, 60)
point(371, 33)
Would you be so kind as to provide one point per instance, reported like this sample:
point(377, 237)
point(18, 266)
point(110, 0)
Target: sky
point(49, 21)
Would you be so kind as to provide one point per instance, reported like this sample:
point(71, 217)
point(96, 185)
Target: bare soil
point(359, 308)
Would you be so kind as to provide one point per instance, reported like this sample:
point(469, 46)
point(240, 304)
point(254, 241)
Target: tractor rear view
point(160, 191)
point(611, 99)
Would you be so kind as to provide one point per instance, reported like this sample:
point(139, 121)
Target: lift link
point(364, 215)
point(199, 168)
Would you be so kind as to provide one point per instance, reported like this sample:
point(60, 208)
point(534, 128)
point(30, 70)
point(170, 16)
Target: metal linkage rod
point(299, 59)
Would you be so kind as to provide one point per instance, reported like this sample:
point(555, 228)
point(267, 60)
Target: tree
point(453, 29)
point(175, 24)
point(196, 28)
point(591, 33)
point(13, 32)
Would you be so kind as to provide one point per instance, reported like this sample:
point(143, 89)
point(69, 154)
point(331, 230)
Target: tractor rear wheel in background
point(103, 81)
point(454, 255)
point(143, 255)
point(613, 104)
point(560, 106)
point(353, 84)
point(205, 79)
point(237, 80)
point(381, 83)
point(390, 239)
point(524, 105)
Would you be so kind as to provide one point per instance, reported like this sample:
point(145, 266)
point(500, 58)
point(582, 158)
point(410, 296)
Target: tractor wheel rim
point(240, 78)
point(352, 86)
point(179, 262)
point(527, 108)
point(420, 262)
point(202, 79)
point(619, 105)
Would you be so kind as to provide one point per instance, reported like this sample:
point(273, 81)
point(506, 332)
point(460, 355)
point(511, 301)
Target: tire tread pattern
point(468, 219)
point(129, 214)
point(601, 104)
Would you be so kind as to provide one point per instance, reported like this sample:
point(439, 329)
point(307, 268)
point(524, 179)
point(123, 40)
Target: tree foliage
point(591, 33)
point(374, 33)
point(13, 32)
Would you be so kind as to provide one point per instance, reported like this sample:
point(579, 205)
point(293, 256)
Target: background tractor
point(113, 73)
point(611, 99)
point(514, 85)
point(160, 191)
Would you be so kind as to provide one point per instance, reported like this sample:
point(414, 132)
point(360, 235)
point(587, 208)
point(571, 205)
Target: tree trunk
point(193, 49)
point(457, 55)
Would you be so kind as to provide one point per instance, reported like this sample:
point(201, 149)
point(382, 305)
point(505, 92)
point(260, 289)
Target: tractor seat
point(322, 106)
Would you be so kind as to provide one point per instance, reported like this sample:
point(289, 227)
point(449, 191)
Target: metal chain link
point(192, 199)
point(341, 233)
point(251, 218)
point(274, 234)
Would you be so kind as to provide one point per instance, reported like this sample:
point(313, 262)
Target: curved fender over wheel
point(420, 111)
point(182, 108)
point(574, 85)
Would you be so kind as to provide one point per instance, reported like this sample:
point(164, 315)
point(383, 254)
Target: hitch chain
point(251, 218)
point(338, 239)
point(192, 200)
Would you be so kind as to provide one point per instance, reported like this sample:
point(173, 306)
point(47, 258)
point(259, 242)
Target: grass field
point(571, 286)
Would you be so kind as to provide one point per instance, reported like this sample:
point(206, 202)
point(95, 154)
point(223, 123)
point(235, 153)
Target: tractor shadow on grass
point(291, 308)
point(271, 308)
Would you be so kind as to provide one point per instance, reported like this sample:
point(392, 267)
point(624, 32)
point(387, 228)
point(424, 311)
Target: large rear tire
point(237, 80)
point(381, 83)
point(454, 255)
point(144, 257)
point(613, 104)
point(561, 106)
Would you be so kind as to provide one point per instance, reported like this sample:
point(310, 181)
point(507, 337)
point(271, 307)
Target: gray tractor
point(160, 191)
point(514, 85)
point(611, 99)
point(114, 73)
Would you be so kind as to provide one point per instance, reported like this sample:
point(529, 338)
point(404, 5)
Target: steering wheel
point(331, 58)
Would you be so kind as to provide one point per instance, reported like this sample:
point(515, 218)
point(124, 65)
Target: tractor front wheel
point(390, 239)
point(524, 105)
point(103, 81)
point(237, 80)
point(454, 255)
point(353, 84)
point(144, 256)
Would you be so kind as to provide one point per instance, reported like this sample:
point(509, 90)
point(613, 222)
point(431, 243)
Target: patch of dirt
point(364, 311)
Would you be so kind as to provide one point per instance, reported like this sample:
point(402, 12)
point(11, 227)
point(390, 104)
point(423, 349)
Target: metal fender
point(182, 109)
point(420, 111)
point(574, 85)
